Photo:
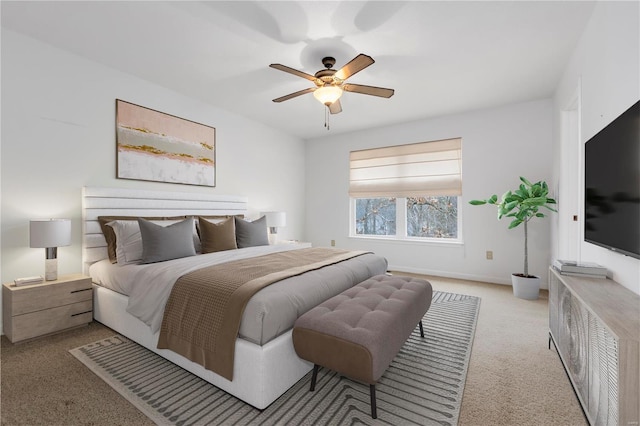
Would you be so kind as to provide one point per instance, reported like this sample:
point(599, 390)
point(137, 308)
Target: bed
point(265, 364)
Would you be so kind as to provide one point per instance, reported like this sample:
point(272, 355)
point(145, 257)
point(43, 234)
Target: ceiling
point(441, 57)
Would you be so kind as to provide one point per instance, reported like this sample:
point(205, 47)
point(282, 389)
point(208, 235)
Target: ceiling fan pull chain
point(326, 118)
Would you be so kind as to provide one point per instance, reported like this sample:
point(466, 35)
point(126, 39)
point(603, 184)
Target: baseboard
point(448, 274)
point(544, 285)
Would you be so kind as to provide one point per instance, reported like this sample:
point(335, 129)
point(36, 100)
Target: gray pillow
point(249, 234)
point(160, 243)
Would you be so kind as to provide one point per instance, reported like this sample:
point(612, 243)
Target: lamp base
point(51, 269)
point(273, 239)
point(273, 235)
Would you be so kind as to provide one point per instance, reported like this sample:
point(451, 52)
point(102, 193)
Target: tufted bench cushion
point(358, 332)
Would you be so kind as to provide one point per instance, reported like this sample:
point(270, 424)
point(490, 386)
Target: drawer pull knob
point(80, 313)
point(78, 291)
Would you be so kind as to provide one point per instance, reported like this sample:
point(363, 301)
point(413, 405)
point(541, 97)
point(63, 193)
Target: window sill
point(417, 241)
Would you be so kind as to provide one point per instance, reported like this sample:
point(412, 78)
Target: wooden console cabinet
point(595, 326)
point(35, 310)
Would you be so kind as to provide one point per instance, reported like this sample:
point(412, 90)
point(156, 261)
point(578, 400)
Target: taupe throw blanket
point(202, 316)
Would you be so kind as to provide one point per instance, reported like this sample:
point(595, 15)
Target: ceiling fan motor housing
point(328, 62)
point(326, 76)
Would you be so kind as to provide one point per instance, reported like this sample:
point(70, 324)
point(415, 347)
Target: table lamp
point(275, 220)
point(50, 234)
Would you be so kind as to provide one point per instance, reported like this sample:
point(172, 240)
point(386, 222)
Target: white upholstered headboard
point(97, 201)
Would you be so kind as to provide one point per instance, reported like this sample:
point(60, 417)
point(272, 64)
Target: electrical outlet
point(489, 255)
point(333, 243)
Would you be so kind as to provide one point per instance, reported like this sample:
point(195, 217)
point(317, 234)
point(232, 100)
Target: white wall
point(605, 71)
point(498, 146)
point(58, 135)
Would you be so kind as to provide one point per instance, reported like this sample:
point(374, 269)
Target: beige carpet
point(513, 379)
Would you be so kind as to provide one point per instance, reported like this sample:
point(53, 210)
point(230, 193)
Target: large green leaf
point(536, 201)
point(526, 182)
point(511, 205)
point(506, 196)
point(522, 215)
point(522, 192)
point(515, 223)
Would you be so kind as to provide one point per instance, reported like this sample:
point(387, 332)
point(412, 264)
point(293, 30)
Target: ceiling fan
point(330, 84)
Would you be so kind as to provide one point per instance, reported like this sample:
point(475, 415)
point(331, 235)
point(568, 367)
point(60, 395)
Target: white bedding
point(149, 286)
point(268, 314)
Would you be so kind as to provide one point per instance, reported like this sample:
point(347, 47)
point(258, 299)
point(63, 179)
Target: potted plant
point(522, 205)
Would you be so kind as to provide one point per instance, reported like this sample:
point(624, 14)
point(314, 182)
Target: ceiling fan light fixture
point(327, 94)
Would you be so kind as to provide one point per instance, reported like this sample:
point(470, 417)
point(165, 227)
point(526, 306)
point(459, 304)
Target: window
point(407, 191)
point(376, 216)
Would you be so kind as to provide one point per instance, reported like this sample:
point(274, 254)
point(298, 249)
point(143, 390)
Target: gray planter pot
point(525, 288)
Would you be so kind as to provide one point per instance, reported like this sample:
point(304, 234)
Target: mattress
point(270, 312)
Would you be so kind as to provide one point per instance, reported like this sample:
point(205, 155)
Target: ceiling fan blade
point(368, 90)
point(295, 94)
point(293, 71)
point(357, 64)
point(335, 107)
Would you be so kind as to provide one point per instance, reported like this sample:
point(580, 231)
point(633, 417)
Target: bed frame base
point(261, 374)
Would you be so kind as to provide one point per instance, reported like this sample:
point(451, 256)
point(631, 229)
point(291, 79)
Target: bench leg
point(421, 329)
point(314, 376)
point(372, 394)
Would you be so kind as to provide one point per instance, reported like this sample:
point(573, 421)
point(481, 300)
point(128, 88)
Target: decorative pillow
point(217, 236)
point(110, 236)
point(160, 243)
point(210, 219)
point(250, 234)
point(128, 241)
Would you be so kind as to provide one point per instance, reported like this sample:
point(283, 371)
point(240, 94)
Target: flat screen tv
point(612, 185)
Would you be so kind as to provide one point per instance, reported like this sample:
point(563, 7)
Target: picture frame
point(160, 147)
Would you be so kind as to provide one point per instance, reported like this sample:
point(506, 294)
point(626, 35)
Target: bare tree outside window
point(376, 216)
point(432, 217)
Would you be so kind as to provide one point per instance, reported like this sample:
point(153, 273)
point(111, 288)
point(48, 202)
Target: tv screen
point(612, 185)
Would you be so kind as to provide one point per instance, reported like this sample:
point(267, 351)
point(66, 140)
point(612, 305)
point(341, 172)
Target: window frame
point(401, 225)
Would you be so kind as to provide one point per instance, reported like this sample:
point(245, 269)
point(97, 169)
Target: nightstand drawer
point(51, 320)
point(37, 298)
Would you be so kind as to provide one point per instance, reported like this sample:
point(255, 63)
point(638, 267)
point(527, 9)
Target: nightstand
point(51, 306)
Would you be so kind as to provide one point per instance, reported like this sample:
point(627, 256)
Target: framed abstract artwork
point(160, 147)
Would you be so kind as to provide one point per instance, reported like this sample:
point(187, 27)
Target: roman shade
point(420, 169)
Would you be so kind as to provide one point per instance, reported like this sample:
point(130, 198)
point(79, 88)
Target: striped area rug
point(423, 385)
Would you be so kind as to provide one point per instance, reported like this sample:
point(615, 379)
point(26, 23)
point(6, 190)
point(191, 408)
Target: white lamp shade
point(275, 219)
point(327, 94)
point(49, 233)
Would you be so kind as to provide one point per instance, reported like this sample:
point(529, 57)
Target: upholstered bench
point(358, 332)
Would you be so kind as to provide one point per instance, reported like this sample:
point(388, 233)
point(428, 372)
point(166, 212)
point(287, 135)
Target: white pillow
point(129, 239)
